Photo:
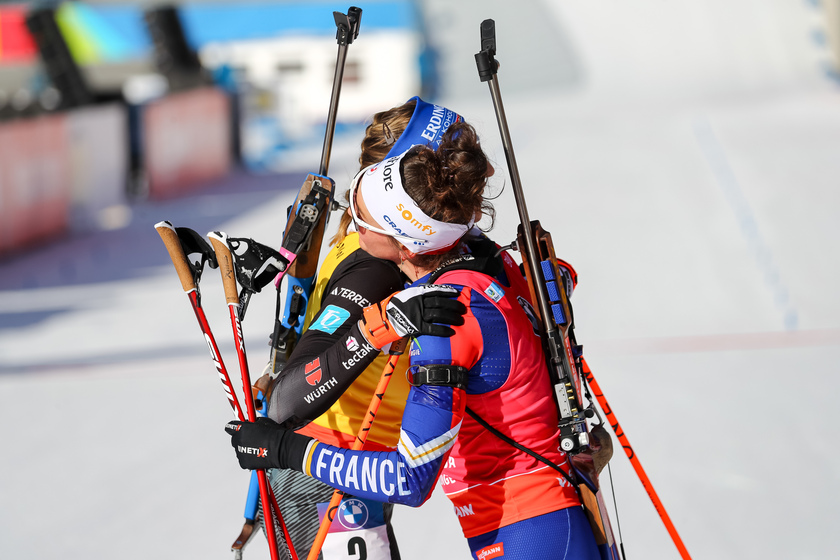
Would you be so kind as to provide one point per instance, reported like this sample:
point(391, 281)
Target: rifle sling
point(520, 447)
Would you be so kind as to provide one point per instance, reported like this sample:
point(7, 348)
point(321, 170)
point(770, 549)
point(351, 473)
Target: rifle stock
point(557, 330)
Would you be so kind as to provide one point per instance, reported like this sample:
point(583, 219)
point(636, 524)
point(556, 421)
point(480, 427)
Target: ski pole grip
point(219, 241)
point(173, 245)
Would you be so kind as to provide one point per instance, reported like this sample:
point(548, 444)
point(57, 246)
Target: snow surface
point(684, 156)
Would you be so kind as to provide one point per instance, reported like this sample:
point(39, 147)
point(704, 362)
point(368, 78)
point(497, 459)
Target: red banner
point(34, 181)
point(186, 140)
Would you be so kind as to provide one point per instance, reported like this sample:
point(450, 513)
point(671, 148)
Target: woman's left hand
point(428, 309)
point(265, 444)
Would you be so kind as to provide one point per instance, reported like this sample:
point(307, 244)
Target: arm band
point(441, 375)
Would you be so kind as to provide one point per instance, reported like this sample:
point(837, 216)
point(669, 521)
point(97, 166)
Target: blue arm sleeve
point(431, 422)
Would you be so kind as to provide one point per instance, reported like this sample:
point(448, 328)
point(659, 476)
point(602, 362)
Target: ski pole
point(303, 228)
point(634, 460)
point(270, 506)
point(189, 276)
point(397, 348)
point(175, 240)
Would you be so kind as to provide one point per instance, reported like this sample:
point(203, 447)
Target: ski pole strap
point(521, 447)
point(439, 375)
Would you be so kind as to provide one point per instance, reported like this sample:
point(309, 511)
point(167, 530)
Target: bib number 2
point(357, 549)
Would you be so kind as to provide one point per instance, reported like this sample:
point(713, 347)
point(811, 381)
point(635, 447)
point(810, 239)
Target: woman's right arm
point(333, 352)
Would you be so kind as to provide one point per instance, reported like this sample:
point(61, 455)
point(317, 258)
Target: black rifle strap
point(519, 446)
point(482, 258)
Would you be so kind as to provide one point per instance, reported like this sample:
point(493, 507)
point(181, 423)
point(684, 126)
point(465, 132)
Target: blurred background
point(685, 156)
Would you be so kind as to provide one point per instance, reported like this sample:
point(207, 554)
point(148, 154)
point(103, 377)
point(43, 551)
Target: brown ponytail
point(448, 184)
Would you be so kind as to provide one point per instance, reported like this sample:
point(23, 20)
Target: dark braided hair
point(448, 184)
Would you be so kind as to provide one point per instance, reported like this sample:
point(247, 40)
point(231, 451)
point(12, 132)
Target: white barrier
point(186, 140)
point(98, 150)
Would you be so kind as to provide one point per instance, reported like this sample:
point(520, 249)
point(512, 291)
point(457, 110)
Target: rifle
point(305, 230)
point(564, 357)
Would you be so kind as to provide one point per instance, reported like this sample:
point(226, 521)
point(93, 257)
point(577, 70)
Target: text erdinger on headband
point(426, 127)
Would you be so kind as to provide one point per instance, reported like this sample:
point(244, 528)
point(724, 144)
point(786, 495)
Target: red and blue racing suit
point(491, 484)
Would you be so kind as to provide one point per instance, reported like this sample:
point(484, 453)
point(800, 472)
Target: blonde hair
point(380, 135)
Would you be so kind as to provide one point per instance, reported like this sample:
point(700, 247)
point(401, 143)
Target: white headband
point(391, 207)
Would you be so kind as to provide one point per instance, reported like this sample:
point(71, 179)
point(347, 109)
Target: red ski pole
point(396, 351)
point(634, 460)
point(189, 282)
point(270, 506)
point(189, 275)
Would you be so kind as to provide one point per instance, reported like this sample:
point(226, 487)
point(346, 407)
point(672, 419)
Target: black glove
point(265, 444)
point(428, 309)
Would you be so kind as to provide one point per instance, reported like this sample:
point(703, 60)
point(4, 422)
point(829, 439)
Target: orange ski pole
point(634, 460)
point(397, 349)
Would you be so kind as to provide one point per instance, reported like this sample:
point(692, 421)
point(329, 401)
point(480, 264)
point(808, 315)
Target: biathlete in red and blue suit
point(509, 504)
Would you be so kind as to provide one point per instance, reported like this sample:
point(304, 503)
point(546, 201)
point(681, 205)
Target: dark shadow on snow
point(21, 319)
